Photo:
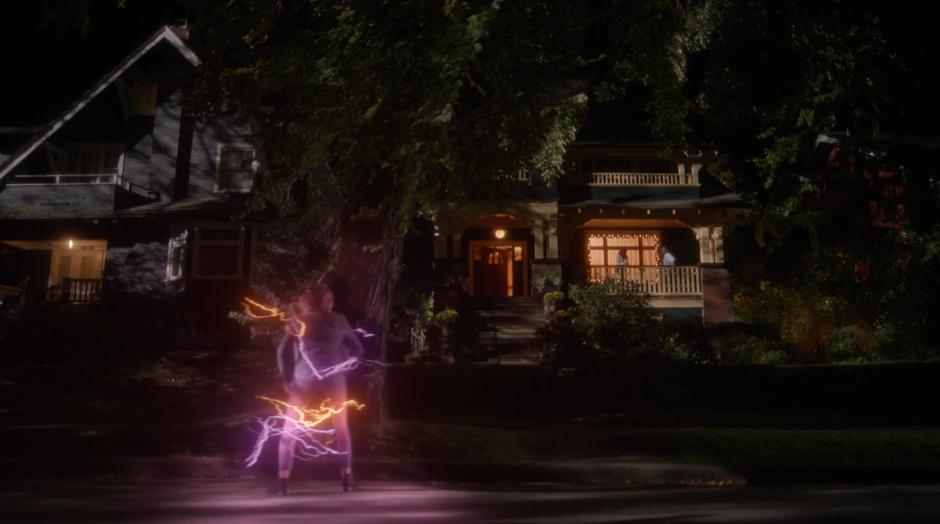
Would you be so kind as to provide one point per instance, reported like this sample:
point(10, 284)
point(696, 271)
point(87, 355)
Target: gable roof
point(164, 34)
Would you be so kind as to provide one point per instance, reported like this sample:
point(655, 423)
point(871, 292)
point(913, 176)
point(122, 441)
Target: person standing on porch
point(622, 263)
point(668, 258)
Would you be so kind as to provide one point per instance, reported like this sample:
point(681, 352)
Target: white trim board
point(165, 33)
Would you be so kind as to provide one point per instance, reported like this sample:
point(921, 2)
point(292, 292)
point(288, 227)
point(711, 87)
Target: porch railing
point(657, 281)
point(616, 178)
point(80, 291)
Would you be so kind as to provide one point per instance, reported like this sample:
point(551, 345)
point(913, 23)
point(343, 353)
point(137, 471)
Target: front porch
point(68, 271)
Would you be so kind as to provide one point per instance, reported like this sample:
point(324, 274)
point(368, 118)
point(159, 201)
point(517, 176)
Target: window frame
point(220, 148)
point(657, 249)
point(199, 244)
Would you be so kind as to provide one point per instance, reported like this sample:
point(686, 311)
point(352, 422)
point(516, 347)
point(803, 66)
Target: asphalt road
point(244, 501)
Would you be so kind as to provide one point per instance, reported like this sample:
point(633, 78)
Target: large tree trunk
point(364, 273)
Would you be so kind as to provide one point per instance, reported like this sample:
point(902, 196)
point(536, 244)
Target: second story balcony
point(628, 178)
point(636, 167)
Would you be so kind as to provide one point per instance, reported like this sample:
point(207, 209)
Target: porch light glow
point(499, 233)
point(71, 244)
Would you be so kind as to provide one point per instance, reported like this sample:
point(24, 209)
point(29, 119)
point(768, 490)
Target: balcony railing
point(64, 179)
point(611, 178)
point(657, 281)
point(84, 180)
point(77, 291)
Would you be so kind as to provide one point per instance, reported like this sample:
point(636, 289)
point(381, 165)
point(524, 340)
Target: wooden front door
point(497, 268)
point(497, 263)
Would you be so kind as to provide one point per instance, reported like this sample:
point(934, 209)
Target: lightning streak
point(300, 424)
point(272, 312)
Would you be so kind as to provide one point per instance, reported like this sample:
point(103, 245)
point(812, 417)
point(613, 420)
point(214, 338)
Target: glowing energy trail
point(300, 424)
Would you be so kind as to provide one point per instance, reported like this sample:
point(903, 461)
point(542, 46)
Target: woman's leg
point(335, 390)
point(287, 443)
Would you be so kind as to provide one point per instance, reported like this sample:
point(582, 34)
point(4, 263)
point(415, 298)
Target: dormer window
point(235, 168)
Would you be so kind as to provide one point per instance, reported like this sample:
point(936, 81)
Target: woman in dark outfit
point(328, 340)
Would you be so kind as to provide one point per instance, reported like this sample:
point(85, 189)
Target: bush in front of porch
point(593, 329)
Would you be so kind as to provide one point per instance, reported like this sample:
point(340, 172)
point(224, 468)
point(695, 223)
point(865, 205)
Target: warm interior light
point(71, 244)
point(499, 233)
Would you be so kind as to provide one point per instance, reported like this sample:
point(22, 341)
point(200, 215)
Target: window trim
point(179, 240)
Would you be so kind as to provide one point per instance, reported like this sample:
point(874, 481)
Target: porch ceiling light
point(499, 233)
point(71, 244)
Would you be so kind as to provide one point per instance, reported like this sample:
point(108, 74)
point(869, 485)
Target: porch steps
point(510, 327)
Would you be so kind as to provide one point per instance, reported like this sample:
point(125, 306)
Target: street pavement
point(245, 501)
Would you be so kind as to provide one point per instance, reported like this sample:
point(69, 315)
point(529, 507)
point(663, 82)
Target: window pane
point(110, 158)
point(219, 234)
point(596, 257)
point(235, 173)
point(218, 261)
point(595, 241)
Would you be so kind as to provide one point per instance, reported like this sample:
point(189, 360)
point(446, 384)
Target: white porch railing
point(77, 291)
point(609, 178)
point(93, 179)
point(657, 281)
point(64, 179)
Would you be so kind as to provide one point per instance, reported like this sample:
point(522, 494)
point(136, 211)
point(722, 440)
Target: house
point(625, 215)
point(124, 179)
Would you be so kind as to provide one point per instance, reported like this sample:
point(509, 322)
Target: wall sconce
point(71, 244)
point(499, 233)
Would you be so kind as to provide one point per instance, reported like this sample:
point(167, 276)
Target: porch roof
point(211, 206)
point(661, 200)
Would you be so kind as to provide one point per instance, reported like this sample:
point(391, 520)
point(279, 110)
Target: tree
point(365, 114)
point(808, 99)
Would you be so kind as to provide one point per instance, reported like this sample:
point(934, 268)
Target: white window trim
point(178, 240)
point(198, 243)
point(218, 165)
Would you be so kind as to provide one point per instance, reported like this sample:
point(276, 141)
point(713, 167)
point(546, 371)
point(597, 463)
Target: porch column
point(551, 235)
point(538, 233)
point(710, 244)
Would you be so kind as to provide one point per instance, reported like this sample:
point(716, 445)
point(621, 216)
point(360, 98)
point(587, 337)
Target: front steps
point(510, 326)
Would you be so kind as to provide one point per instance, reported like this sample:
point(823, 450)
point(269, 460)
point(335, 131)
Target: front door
point(497, 271)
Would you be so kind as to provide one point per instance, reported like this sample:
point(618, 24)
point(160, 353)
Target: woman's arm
point(351, 340)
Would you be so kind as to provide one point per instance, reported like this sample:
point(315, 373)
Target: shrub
point(599, 329)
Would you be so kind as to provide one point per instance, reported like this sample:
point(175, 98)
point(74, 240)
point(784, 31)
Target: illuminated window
point(641, 248)
point(235, 168)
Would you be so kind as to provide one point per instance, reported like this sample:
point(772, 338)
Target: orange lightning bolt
point(273, 312)
point(312, 417)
